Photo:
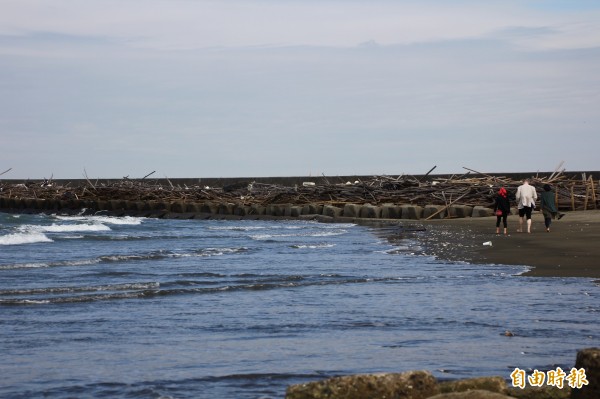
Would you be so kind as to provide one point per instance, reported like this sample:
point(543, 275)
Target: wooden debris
point(467, 189)
point(6, 171)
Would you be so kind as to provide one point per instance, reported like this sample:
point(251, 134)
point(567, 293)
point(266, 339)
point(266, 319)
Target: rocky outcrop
point(588, 360)
point(422, 385)
point(408, 385)
point(544, 392)
point(475, 394)
point(492, 384)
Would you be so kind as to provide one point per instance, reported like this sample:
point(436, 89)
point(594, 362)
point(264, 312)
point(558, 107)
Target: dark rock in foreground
point(409, 385)
point(422, 385)
point(589, 360)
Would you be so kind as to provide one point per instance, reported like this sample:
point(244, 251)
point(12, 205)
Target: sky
point(241, 88)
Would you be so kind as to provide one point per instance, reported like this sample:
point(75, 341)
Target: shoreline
point(570, 249)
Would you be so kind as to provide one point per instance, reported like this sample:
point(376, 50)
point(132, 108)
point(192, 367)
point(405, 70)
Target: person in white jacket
point(526, 196)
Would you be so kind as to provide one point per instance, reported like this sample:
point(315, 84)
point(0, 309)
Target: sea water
point(104, 307)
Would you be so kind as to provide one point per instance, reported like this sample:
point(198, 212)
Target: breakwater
point(228, 210)
point(341, 198)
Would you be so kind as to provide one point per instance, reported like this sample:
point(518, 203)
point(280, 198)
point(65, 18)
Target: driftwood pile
point(473, 188)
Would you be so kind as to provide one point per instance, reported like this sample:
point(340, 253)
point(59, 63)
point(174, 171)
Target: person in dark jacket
point(548, 205)
point(502, 210)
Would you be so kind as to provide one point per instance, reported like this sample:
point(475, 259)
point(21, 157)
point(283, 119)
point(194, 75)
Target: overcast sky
point(194, 88)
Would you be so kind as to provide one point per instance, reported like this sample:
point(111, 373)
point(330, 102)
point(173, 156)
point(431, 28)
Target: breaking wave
point(65, 228)
point(24, 238)
point(124, 220)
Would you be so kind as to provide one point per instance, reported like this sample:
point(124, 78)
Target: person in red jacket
point(502, 209)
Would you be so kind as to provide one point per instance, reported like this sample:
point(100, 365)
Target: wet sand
point(570, 249)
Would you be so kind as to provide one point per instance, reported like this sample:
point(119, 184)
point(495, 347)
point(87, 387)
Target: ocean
point(106, 307)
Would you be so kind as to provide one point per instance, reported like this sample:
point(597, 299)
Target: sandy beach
point(570, 249)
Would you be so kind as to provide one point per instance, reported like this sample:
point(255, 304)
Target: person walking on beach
point(526, 196)
point(548, 205)
point(502, 209)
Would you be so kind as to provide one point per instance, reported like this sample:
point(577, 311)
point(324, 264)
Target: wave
point(403, 250)
point(76, 299)
point(261, 237)
point(154, 255)
point(154, 290)
point(300, 225)
point(135, 257)
point(77, 262)
point(34, 233)
point(91, 293)
point(123, 220)
point(23, 266)
point(135, 237)
point(221, 251)
point(65, 228)
point(312, 246)
point(149, 293)
point(60, 290)
point(162, 254)
point(334, 225)
point(237, 228)
point(250, 385)
point(24, 238)
point(73, 237)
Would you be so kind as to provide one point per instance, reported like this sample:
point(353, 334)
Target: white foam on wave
point(30, 301)
point(220, 251)
point(307, 234)
point(236, 228)
point(312, 246)
point(24, 266)
point(398, 250)
point(65, 228)
point(159, 255)
point(24, 238)
point(123, 220)
point(328, 233)
point(261, 236)
point(72, 289)
point(120, 258)
point(335, 225)
point(78, 262)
